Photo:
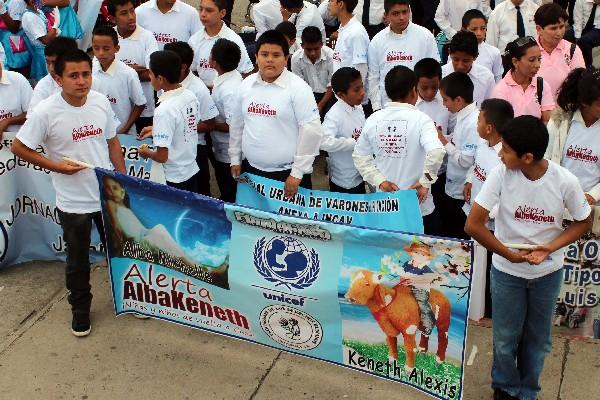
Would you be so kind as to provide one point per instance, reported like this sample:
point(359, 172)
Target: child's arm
point(30, 155)
point(116, 154)
point(365, 163)
point(136, 111)
point(441, 19)
point(16, 120)
point(468, 185)
point(137, 98)
point(56, 3)
point(161, 155)
point(465, 155)
point(326, 97)
point(332, 143)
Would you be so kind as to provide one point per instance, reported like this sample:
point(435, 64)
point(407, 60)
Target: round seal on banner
point(3, 241)
point(291, 327)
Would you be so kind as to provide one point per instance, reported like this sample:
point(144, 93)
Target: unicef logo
point(291, 327)
point(3, 241)
point(286, 261)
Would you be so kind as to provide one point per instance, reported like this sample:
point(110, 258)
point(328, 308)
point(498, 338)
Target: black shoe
point(81, 325)
point(500, 394)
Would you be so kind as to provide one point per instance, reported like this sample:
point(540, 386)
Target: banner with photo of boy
point(356, 297)
point(394, 211)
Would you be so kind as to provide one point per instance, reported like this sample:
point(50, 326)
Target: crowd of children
point(497, 142)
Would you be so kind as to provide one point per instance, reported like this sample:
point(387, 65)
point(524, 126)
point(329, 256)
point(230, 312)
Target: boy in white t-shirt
point(405, 144)
point(211, 16)
point(135, 46)
point(79, 124)
point(207, 112)
point(302, 14)
point(531, 194)
point(489, 56)
point(276, 124)
point(401, 43)
point(15, 93)
point(352, 44)
point(117, 81)
point(174, 130)
point(457, 91)
point(342, 127)
point(225, 56)
point(169, 21)
point(47, 86)
point(39, 33)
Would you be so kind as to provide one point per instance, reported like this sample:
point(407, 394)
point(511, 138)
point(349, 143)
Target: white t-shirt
point(317, 75)
point(388, 49)
point(202, 44)
point(34, 26)
point(174, 127)
point(136, 49)
point(532, 219)
point(461, 150)
point(490, 57)
point(581, 154)
point(121, 86)
point(486, 159)
point(482, 78)
point(224, 95)
point(75, 132)
point(16, 9)
point(206, 106)
point(352, 45)
point(266, 16)
point(15, 94)
point(308, 16)
point(400, 136)
point(272, 115)
point(342, 127)
point(45, 88)
point(178, 24)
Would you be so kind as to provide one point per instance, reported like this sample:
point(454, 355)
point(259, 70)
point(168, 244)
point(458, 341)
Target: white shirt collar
point(436, 99)
point(466, 111)
point(282, 81)
point(134, 36)
point(323, 57)
point(111, 70)
point(396, 104)
point(170, 93)
point(400, 35)
point(352, 20)
point(220, 34)
point(176, 7)
point(227, 75)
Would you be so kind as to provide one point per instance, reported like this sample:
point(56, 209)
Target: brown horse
point(397, 312)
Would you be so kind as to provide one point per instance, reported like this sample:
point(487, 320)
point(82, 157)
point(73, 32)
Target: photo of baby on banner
point(137, 229)
point(420, 292)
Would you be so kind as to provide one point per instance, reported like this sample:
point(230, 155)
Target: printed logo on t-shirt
point(84, 132)
point(262, 109)
point(204, 64)
point(479, 173)
point(580, 154)
point(164, 37)
point(392, 138)
point(190, 132)
point(337, 57)
point(395, 56)
point(356, 133)
point(127, 61)
point(111, 100)
point(532, 214)
point(5, 114)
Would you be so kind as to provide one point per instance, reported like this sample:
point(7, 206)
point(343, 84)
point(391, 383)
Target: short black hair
point(350, 4)
point(287, 28)
point(59, 45)
point(343, 77)
point(471, 15)
point(227, 54)
point(105, 30)
point(183, 50)
point(70, 56)
point(549, 14)
point(399, 81)
point(388, 4)
point(526, 134)
point(458, 84)
point(221, 4)
point(497, 112)
point(311, 34)
point(428, 68)
point(274, 37)
point(580, 87)
point(291, 3)
point(166, 63)
point(465, 42)
point(111, 5)
point(517, 49)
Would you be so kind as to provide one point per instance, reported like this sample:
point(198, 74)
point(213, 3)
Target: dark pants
point(142, 122)
point(280, 176)
point(360, 189)
point(227, 185)
point(77, 231)
point(204, 152)
point(432, 225)
point(454, 218)
point(587, 42)
point(428, 9)
point(191, 185)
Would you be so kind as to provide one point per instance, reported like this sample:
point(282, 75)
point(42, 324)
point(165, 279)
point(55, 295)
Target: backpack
point(540, 89)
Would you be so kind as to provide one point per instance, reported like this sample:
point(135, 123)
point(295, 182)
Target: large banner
point(398, 211)
point(357, 297)
point(29, 223)
point(578, 307)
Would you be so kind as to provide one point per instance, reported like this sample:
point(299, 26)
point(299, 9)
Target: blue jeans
point(522, 312)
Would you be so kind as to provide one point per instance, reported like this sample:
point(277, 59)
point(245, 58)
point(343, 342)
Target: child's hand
point(591, 201)
point(387, 186)
point(144, 151)
point(518, 256)
point(67, 167)
point(441, 135)
point(291, 186)
point(467, 192)
point(421, 191)
point(146, 132)
point(236, 171)
point(539, 255)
